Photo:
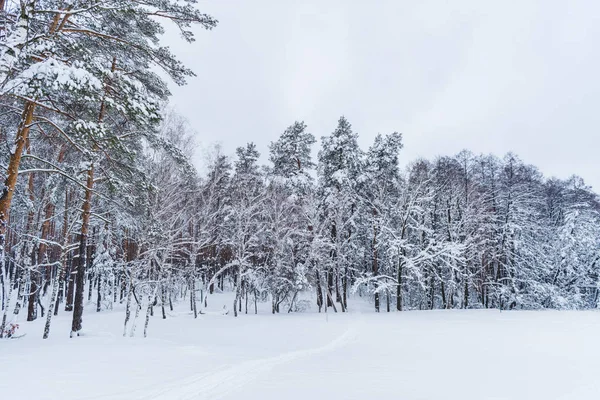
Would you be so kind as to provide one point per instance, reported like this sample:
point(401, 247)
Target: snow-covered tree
point(339, 169)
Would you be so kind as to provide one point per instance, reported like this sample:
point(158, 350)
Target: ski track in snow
point(228, 379)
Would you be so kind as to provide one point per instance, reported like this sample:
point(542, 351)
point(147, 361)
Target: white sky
point(519, 76)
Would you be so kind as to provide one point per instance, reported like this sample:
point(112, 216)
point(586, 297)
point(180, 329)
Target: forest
point(101, 204)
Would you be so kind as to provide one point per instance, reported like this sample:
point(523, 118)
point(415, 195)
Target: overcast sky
point(519, 76)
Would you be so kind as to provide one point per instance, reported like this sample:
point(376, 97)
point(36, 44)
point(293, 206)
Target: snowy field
point(475, 354)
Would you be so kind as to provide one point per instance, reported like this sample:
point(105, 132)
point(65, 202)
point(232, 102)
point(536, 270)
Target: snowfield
point(474, 354)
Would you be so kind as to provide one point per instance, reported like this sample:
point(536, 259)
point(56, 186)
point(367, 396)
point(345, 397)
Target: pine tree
point(339, 171)
point(380, 187)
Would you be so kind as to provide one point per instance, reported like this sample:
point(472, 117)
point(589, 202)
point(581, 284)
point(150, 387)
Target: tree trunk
point(431, 302)
point(11, 284)
point(89, 260)
point(375, 261)
point(81, 262)
point(238, 283)
point(387, 300)
point(91, 277)
point(12, 172)
point(127, 310)
point(193, 297)
point(70, 285)
point(64, 253)
point(255, 303)
point(43, 247)
point(466, 295)
point(292, 302)
point(99, 299)
point(443, 292)
point(319, 292)
point(338, 296)
point(163, 300)
point(345, 289)
point(34, 275)
point(32, 298)
point(329, 297)
point(148, 313)
point(329, 288)
point(58, 279)
point(246, 296)
point(138, 307)
point(20, 288)
point(240, 295)
point(399, 287)
point(337, 292)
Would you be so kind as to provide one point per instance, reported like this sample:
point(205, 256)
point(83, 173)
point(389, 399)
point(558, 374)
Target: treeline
point(101, 206)
point(469, 231)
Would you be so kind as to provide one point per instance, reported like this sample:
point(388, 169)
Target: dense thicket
point(100, 205)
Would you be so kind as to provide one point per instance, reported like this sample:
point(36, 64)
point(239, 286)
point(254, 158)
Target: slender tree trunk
point(340, 300)
point(59, 278)
point(338, 296)
point(138, 307)
point(238, 284)
point(32, 298)
point(53, 304)
point(240, 296)
point(345, 289)
point(443, 292)
point(148, 313)
point(127, 309)
point(89, 261)
point(466, 295)
point(374, 246)
point(319, 292)
point(329, 287)
point(34, 273)
point(43, 247)
point(81, 262)
point(163, 300)
point(64, 252)
point(20, 289)
point(70, 285)
point(99, 289)
point(246, 296)
point(193, 297)
point(292, 302)
point(329, 297)
point(41, 307)
point(124, 277)
point(11, 284)
point(387, 300)
point(375, 268)
point(91, 277)
point(431, 301)
point(2, 281)
point(399, 286)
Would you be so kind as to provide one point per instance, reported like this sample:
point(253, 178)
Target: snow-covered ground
point(475, 354)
